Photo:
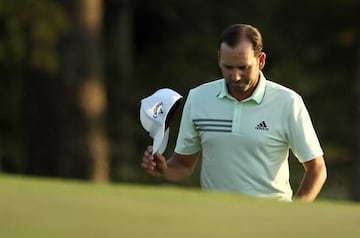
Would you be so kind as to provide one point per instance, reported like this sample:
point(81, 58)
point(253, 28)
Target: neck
point(246, 94)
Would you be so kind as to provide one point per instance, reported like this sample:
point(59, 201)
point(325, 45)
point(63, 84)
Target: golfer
point(243, 127)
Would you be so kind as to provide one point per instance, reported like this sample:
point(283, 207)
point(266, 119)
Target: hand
point(154, 165)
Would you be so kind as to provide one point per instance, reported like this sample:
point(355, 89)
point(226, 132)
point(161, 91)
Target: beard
point(238, 86)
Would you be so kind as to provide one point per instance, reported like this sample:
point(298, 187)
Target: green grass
point(31, 207)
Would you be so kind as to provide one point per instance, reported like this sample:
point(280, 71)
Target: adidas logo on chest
point(262, 126)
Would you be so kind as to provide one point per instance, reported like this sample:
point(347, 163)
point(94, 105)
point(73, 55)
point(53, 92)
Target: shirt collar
point(257, 95)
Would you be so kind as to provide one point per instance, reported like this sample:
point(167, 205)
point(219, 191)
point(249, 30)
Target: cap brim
point(160, 141)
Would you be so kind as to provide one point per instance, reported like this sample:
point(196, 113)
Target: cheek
point(225, 72)
point(253, 78)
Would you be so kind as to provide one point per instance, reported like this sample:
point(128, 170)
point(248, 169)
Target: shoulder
point(279, 91)
point(207, 89)
point(209, 86)
point(284, 97)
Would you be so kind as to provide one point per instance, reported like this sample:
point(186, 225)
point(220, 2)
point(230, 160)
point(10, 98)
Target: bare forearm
point(176, 171)
point(312, 182)
point(180, 167)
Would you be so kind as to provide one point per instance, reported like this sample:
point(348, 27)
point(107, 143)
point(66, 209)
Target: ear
point(262, 59)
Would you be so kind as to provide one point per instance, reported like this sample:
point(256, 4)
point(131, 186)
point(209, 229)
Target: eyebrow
point(238, 66)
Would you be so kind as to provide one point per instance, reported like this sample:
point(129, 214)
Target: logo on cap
point(158, 110)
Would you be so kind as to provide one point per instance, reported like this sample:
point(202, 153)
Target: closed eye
point(243, 67)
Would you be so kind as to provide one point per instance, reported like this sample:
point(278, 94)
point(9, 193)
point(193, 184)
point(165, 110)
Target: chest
point(246, 123)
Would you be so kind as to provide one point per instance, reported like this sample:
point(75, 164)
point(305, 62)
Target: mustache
point(237, 82)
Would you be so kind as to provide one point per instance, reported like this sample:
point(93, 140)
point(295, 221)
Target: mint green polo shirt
point(245, 144)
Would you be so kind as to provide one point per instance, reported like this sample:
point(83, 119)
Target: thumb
point(161, 164)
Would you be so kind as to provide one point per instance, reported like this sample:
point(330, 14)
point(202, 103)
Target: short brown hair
point(236, 33)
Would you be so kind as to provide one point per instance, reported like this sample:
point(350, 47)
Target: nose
point(236, 74)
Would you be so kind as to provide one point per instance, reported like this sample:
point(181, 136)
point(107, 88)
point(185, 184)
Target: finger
point(149, 149)
point(159, 158)
point(148, 162)
point(148, 154)
point(151, 170)
point(147, 166)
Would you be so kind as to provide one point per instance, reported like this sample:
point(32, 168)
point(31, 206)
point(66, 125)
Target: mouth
point(238, 86)
point(239, 83)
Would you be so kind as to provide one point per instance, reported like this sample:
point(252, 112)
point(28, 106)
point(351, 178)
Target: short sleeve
point(303, 140)
point(188, 141)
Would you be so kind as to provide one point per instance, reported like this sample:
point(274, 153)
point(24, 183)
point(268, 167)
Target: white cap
point(155, 114)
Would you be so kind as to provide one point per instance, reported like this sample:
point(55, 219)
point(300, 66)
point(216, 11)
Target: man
point(244, 126)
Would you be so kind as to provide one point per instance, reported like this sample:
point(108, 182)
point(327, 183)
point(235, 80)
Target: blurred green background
point(73, 74)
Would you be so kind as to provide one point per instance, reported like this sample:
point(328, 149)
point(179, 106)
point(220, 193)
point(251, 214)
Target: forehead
point(241, 52)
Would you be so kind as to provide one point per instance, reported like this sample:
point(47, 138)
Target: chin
point(239, 89)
